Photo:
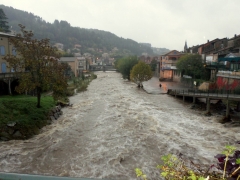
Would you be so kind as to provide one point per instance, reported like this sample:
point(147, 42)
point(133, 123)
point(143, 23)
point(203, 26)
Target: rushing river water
point(111, 129)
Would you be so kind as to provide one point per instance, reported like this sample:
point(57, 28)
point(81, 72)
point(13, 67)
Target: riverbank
point(21, 119)
point(113, 128)
point(217, 108)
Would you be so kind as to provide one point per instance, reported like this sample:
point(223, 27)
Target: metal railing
point(206, 93)
point(15, 176)
point(228, 73)
point(7, 75)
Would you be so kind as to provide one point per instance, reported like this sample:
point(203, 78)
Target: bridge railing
point(214, 92)
point(16, 176)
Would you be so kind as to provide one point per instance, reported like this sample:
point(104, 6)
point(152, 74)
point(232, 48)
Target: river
point(111, 129)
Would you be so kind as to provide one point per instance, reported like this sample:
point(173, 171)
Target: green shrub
point(80, 84)
point(83, 87)
point(70, 91)
point(93, 76)
point(175, 168)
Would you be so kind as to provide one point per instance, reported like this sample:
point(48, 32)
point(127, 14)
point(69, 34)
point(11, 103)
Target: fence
point(204, 93)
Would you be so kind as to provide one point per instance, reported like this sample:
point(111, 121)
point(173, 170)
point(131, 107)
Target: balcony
point(169, 61)
point(11, 75)
point(7, 75)
point(168, 67)
point(229, 74)
point(216, 65)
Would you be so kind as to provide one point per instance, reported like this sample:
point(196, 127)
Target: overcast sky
point(163, 23)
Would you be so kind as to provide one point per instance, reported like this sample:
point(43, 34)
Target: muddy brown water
point(111, 129)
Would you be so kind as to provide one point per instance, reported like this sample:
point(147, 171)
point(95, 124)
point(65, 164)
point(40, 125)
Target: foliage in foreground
point(175, 168)
point(141, 72)
point(22, 111)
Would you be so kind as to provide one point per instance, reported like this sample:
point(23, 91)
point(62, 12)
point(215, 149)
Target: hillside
point(160, 51)
point(63, 32)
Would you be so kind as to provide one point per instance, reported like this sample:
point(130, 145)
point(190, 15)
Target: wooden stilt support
point(194, 100)
point(238, 107)
point(9, 87)
point(228, 109)
point(208, 106)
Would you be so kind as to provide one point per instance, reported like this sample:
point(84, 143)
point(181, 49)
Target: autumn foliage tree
point(36, 66)
point(125, 65)
point(140, 72)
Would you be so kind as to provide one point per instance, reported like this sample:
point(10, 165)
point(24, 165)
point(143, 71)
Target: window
point(2, 50)
point(4, 68)
point(14, 52)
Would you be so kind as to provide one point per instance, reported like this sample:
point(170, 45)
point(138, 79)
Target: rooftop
point(67, 59)
point(6, 34)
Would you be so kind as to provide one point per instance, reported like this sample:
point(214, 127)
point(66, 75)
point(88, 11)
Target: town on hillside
point(220, 59)
point(79, 103)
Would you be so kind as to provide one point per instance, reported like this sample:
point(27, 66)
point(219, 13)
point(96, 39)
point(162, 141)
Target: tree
point(191, 64)
point(37, 66)
point(141, 72)
point(68, 70)
point(153, 64)
point(3, 23)
point(125, 65)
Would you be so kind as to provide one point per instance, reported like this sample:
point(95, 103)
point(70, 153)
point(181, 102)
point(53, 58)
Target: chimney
point(208, 41)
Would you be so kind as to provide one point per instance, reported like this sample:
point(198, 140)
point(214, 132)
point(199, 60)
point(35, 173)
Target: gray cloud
point(163, 23)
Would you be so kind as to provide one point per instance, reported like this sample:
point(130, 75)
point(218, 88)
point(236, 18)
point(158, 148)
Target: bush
point(93, 76)
point(70, 91)
point(80, 84)
point(175, 168)
point(83, 87)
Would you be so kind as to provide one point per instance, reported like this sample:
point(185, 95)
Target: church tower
point(185, 47)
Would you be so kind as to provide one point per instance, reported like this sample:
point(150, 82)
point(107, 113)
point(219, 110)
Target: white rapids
point(113, 128)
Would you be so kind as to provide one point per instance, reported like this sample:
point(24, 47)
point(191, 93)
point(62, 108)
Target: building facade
point(78, 65)
point(8, 81)
point(167, 65)
point(222, 58)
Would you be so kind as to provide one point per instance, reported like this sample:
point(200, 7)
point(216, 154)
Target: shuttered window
point(2, 50)
point(14, 52)
point(4, 68)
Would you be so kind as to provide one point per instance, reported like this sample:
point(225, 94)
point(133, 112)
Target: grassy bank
point(19, 113)
point(21, 119)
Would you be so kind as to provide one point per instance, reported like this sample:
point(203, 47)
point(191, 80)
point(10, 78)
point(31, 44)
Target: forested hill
point(63, 32)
